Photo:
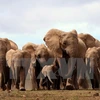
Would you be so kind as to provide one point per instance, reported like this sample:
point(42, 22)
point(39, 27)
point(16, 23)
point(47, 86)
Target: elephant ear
point(87, 39)
point(74, 32)
point(52, 40)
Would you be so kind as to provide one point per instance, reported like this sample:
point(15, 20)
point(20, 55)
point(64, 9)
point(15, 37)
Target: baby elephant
point(49, 77)
point(45, 78)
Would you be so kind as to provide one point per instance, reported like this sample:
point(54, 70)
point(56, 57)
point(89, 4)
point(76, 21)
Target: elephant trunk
point(71, 66)
point(49, 78)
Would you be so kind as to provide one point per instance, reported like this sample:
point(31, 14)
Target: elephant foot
point(22, 89)
point(70, 87)
point(4, 88)
point(83, 84)
point(41, 87)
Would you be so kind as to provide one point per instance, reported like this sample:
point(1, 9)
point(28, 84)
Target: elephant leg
point(95, 83)
point(58, 83)
point(82, 79)
point(62, 83)
point(22, 79)
point(40, 84)
point(9, 84)
point(9, 78)
point(48, 83)
point(74, 77)
point(17, 77)
point(72, 82)
point(69, 84)
point(96, 78)
point(71, 69)
point(2, 84)
point(33, 79)
point(0, 79)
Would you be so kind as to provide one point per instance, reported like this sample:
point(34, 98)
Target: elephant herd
point(67, 61)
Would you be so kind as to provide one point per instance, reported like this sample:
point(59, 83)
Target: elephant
point(52, 76)
point(18, 61)
point(69, 46)
point(31, 48)
point(40, 55)
point(89, 40)
point(92, 57)
point(4, 70)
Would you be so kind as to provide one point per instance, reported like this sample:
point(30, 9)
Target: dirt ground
point(51, 95)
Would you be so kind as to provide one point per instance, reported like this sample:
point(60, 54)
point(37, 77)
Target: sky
point(29, 20)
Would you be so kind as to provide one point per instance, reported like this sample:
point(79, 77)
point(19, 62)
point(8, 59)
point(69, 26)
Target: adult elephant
point(93, 62)
point(6, 45)
point(4, 71)
point(67, 44)
point(31, 48)
point(18, 61)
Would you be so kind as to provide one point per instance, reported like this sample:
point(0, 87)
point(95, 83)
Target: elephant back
point(30, 47)
point(7, 43)
point(9, 55)
point(3, 48)
point(87, 39)
point(13, 45)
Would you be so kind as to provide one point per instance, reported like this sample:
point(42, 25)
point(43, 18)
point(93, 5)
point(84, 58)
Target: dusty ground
point(51, 95)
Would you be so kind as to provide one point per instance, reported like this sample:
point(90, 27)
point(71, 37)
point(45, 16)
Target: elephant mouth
point(65, 54)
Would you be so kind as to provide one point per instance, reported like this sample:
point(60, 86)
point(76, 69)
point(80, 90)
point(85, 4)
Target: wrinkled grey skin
point(18, 61)
point(93, 64)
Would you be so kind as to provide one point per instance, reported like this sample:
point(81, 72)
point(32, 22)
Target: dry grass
point(51, 95)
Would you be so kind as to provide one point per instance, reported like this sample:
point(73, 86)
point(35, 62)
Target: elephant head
point(42, 53)
point(52, 40)
point(69, 43)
